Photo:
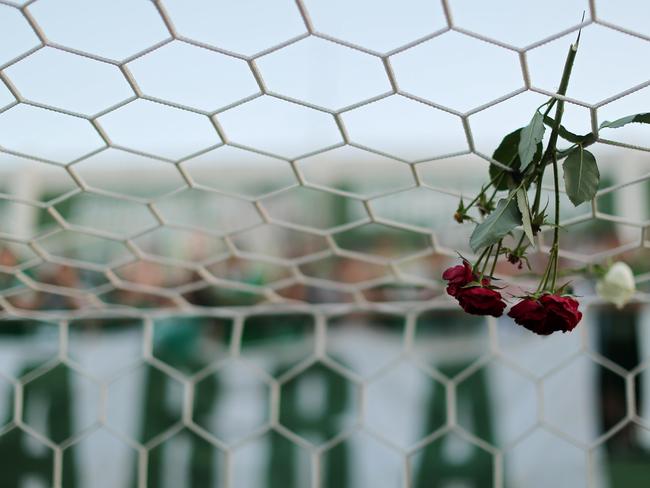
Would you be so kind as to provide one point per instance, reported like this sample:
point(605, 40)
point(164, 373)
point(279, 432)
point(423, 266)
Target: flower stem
point(547, 269)
point(487, 260)
point(550, 106)
point(551, 156)
point(484, 189)
point(556, 231)
point(538, 191)
point(496, 258)
point(494, 193)
point(480, 258)
point(559, 111)
point(521, 241)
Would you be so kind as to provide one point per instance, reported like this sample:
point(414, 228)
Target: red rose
point(531, 314)
point(458, 276)
point(551, 313)
point(561, 312)
point(479, 300)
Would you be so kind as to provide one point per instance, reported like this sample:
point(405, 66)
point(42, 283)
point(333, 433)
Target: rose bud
point(617, 286)
point(458, 276)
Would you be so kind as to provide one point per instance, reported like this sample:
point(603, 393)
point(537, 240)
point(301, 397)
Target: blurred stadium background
point(222, 230)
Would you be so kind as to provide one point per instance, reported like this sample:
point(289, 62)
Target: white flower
point(617, 286)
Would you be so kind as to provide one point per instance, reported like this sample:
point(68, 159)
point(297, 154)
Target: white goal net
point(223, 226)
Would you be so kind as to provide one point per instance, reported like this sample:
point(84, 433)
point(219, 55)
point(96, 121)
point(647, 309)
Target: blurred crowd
point(231, 282)
point(237, 281)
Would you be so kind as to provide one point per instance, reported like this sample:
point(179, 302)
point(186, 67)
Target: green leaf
point(504, 218)
point(524, 209)
point(531, 135)
point(581, 176)
point(506, 154)
point(637, 118)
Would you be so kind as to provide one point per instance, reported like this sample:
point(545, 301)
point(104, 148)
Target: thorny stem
point(544, 279)
point(487, 260)
point(471, 204)
point(493, 195)
point(556, 231)
point(521, 241)
point(484, 188)
point(496, 257)
point(550, 267)
point(538, 192)
point(480, 258)
point(559, 111)
point(550, 155)
point(550, 106)
point(583, 144)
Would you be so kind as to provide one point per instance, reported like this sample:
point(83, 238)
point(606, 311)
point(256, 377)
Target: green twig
point(550, 155)
point(496, 258)
point(521, 241)
point(487, 260)
point(556, 230)
point(538, 192)
point(480, 258)
point(483, 189)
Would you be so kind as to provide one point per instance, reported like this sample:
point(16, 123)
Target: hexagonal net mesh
point(223, 229)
